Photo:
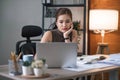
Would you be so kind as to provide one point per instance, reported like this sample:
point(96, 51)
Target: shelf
point(79, 14)
point(61, 5)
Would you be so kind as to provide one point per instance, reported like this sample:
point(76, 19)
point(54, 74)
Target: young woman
point(64, 28)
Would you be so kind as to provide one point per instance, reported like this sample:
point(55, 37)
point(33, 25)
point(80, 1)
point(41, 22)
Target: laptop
point(58, 54)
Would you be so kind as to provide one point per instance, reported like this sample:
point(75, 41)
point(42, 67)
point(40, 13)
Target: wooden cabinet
point(113, 38)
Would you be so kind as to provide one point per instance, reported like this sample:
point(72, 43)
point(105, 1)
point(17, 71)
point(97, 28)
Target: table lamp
point(103, 21)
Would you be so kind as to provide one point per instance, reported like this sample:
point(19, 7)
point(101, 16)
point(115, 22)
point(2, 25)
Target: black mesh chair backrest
point(31, 31)
point(28, 47)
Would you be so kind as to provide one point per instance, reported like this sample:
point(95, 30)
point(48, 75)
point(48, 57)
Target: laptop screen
point(58, 54)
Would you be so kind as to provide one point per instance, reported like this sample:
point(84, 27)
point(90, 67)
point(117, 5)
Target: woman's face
point(63, 23)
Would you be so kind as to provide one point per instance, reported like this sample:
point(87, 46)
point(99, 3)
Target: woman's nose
point(64, 24)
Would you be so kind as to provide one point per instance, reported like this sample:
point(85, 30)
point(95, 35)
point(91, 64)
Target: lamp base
point(103, 48)
point(102, 44)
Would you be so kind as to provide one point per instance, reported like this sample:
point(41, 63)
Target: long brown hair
point(62, 11)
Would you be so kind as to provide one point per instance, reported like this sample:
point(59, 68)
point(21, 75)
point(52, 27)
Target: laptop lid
point(58, 54)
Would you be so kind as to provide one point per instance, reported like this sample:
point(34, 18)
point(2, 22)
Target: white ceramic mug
point(28, 58)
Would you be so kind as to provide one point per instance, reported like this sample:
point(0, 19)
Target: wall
point(14, 14)
point(113, 39)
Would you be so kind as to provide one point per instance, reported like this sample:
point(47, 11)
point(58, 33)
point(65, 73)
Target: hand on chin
point(64, 31)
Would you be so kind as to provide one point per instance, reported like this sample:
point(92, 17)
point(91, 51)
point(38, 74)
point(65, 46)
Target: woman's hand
point(68, 32)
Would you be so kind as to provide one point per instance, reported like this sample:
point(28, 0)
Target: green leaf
point(26, 63)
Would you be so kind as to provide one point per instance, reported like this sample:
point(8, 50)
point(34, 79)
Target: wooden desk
point(61, 74)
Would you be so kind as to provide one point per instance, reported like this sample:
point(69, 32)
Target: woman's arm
point(74, 35)
point(47, 37)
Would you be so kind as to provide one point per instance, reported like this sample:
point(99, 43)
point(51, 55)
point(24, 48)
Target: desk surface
point(61, 74)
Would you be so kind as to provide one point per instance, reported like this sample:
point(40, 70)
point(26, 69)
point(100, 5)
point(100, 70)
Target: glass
point(15, 68)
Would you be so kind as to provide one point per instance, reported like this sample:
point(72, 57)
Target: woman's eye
point(67, 21)
point(61, 21)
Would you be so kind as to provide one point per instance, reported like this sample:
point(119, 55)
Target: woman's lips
point(65, 29)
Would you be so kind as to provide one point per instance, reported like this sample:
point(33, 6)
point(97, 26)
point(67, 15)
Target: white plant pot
point(45, 68)
point(38, 72)
point(27, 70)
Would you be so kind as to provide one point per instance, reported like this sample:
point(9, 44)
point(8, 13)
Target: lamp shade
point(103, 19)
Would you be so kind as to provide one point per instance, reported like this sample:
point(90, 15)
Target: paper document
point(114, 59)
point(82, 66)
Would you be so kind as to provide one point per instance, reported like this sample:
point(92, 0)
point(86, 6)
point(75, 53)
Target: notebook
point(58, 54)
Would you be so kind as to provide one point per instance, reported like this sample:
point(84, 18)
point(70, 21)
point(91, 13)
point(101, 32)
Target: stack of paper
point(114, 59)
point(82, 66)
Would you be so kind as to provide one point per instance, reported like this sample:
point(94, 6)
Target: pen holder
point(15, 68)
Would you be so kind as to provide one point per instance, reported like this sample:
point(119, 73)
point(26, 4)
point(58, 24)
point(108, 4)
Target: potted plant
point(39, 67)
point(76, 25)
point(26, 68)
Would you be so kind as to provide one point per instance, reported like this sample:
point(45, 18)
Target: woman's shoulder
point(46, 37)
point(47, 32)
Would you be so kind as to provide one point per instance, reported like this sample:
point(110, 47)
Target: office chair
point(28, 46)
